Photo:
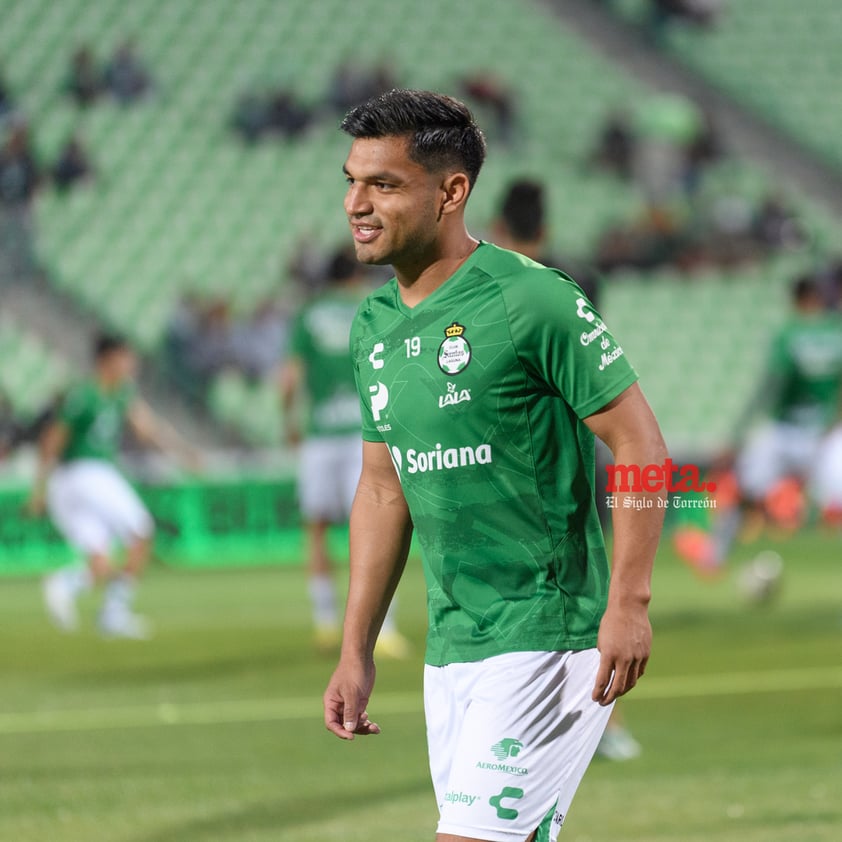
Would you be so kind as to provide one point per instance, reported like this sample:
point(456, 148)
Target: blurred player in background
point(521, 226)
point(88, 499)
point(799, 441)
point(480, 402)
point(318, 372)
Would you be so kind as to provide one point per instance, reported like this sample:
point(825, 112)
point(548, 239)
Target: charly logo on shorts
point(509, 792)
point(454, 351)
point(507, 749)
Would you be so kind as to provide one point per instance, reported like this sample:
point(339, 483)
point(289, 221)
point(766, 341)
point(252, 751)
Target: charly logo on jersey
point(453, 396)
point(454, 351)
point(374, 356)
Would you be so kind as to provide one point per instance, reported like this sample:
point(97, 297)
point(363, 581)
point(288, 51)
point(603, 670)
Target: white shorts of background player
point(328, 472)
point(94, 507)
point(826, 486)
point(777, 450)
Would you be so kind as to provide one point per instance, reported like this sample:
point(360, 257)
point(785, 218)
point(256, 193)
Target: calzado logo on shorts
point(508, 813)
point(506, 749)
point(454, 352)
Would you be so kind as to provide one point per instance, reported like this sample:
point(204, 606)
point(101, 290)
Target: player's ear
point(455, 188)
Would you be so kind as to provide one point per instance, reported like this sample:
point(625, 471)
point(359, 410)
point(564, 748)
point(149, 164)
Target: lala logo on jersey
point(453, 396)
point(454, 352)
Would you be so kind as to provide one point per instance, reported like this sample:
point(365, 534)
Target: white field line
point(309, 708)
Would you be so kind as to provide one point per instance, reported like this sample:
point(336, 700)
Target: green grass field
point(213, 730)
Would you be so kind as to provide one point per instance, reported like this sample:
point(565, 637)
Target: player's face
point(121, 365)
point(393, 204)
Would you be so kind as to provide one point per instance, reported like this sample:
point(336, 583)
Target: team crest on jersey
point(454, 352)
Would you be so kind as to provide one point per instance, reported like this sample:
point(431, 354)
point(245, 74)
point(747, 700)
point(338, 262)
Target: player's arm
point(291, 378)
point(154, 431)
point(50, 447)
point(380, 534)
point(628, 426)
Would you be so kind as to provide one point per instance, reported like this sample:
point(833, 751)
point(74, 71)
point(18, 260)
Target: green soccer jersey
point(320, 340)
point(806, 362)
point(479, 392)
point(95, 420)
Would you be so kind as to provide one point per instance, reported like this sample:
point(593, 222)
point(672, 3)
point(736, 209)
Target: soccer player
point(483, 378)
point(318, 370)
point(88, 499)
point(801, 399)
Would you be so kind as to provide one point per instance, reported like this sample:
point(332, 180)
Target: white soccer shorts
point(510, 738)
point(93, 507)
point(775, 451)
point(328, 472)
point(826, 482)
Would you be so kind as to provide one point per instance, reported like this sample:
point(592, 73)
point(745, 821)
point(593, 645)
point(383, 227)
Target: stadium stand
point(779, 58)
point(181, 204)
point(31, 375)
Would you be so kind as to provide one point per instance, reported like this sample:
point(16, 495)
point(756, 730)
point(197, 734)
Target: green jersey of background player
point(95, 419)
point(317, 367)
point(483, 377)
point(318, 375)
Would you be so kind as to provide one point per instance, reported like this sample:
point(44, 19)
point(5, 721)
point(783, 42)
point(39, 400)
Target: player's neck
point(416, 283)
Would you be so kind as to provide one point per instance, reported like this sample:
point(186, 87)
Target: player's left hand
point(625, 641)
point(36, 505)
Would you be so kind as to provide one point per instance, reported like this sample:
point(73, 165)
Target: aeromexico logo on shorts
point(507, 749)
point(441, 458)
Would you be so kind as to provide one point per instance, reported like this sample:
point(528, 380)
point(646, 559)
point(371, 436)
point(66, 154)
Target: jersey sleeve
point(359, 357)
point(564, 344)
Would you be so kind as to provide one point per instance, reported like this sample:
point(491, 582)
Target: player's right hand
point(345, 701)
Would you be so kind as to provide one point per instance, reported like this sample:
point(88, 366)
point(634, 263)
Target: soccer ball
point(759, 580)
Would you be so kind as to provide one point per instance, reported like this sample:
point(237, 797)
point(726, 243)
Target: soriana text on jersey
point(442, 459)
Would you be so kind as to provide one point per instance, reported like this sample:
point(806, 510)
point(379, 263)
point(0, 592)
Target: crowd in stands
point(278, 112)
point(205, 338)
point(124, 76)
point(665, 147)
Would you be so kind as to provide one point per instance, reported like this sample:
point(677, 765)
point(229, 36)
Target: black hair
point(805, 288)
point(523, 209)
point(108, 343)
point(342, 267)
point(442, 131)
